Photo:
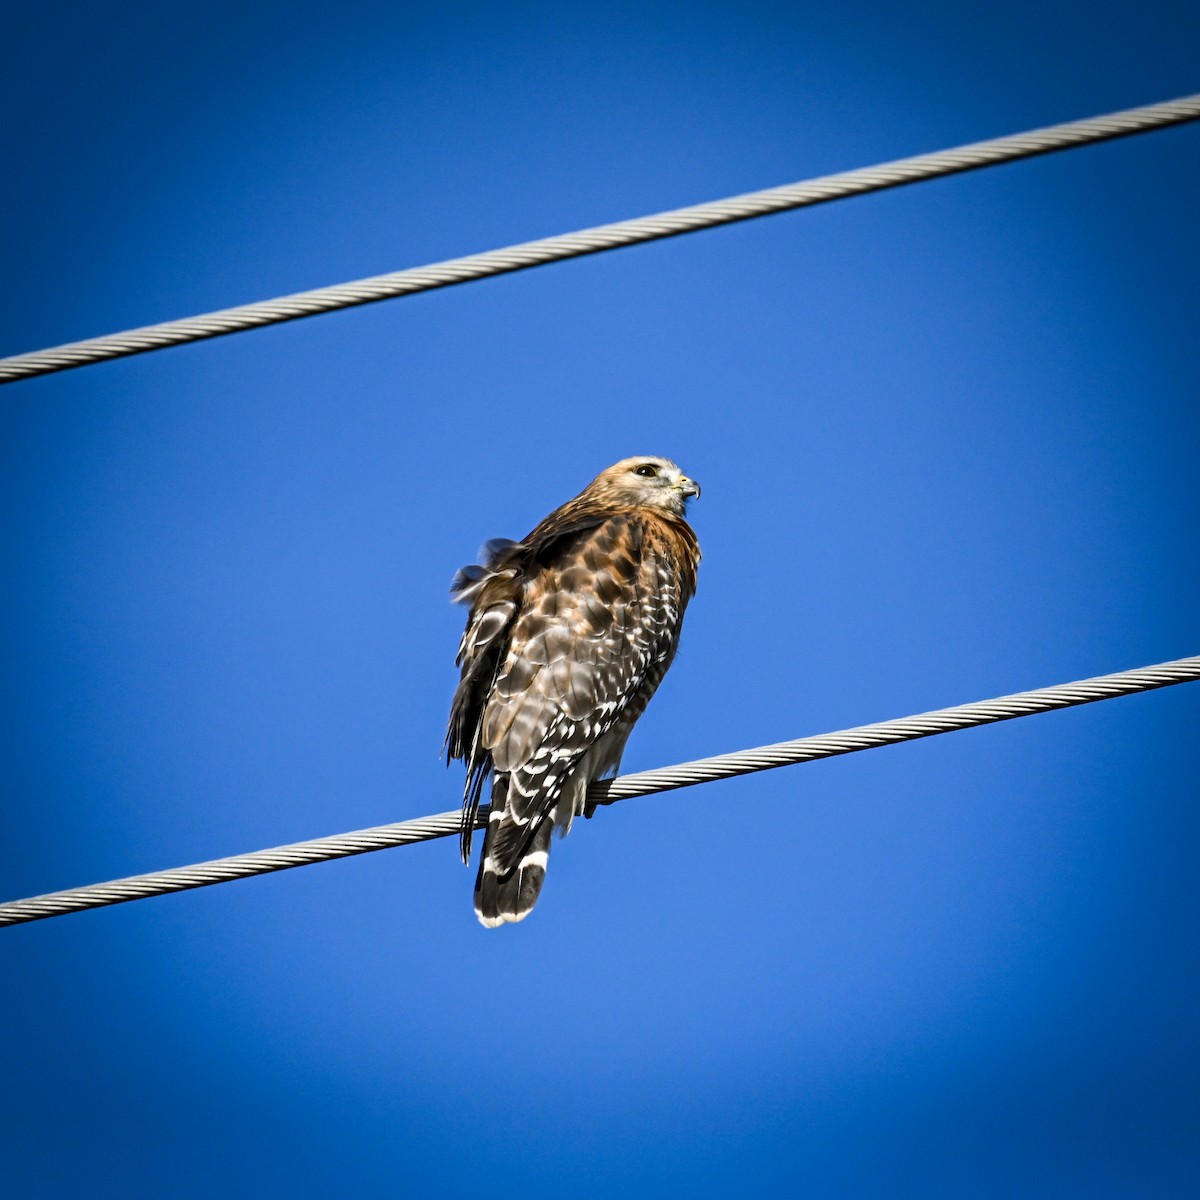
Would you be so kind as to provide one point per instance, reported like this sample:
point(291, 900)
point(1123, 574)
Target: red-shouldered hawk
point(570, 632)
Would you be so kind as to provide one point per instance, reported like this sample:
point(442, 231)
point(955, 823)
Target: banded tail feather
point(506, 891)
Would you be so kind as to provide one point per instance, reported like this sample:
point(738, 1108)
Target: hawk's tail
point(504, 897)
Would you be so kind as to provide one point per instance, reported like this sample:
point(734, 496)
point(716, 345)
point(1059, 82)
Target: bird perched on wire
point(570, 632)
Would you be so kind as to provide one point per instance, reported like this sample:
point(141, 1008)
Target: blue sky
point(947, 438)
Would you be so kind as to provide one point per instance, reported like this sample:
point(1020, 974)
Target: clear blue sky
point(947, 438)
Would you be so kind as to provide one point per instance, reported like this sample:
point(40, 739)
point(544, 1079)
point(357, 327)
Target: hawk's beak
point(688, 487)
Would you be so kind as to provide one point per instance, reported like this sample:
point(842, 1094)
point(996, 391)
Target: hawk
point(570, 632)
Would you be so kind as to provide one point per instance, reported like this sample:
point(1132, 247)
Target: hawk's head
point(645, 479)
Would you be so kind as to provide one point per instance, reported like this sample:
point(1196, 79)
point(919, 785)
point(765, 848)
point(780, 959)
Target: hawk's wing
point(496, 592)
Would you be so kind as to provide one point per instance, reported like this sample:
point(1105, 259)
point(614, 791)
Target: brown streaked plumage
point(570, 632)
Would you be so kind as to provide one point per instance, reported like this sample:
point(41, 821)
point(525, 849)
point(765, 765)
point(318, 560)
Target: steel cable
point(643, 783)
point(603, 237)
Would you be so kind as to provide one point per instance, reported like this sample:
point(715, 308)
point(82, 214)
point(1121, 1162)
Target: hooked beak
point(688, 487)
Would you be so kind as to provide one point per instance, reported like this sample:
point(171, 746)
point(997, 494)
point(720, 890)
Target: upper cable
point(603, 237)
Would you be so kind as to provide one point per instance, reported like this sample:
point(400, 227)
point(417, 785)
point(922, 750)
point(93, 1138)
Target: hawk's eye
point(647, 469)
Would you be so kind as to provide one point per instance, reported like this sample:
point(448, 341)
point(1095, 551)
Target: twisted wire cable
point(603, 237)
point(643, 783)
